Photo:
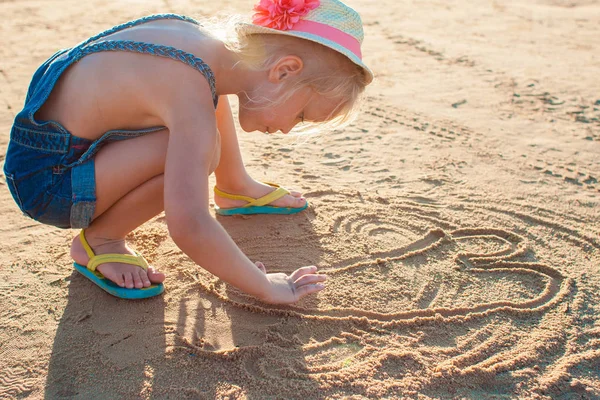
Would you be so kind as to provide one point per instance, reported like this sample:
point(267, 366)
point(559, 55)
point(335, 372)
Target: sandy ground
point(458, 218)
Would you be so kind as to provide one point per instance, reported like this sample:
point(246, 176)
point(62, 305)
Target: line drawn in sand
point(503, 260)
point(370, 337)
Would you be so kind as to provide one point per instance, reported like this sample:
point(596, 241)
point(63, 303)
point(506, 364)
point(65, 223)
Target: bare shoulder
point(128, 90)
point(175, 90)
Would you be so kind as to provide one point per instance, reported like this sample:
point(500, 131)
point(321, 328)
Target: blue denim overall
point(50, 172)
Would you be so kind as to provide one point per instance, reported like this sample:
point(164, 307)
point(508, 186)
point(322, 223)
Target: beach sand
point(458, 218)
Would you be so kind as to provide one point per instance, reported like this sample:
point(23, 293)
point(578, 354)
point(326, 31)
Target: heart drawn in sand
point(407, 283)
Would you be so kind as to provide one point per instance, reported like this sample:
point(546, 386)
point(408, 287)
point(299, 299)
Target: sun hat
point(330, 23)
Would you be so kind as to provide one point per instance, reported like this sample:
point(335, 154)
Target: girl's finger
point(303, 271)
point(261, 266)
point(308, 279)
point(309, 289)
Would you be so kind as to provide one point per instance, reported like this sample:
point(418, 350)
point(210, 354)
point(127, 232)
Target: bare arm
point(190, 117)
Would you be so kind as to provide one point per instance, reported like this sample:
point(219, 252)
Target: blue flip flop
point(258, 206)
point(108, 285)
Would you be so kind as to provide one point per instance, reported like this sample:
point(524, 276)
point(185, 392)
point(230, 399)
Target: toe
point(137, 280)
point(128, 280)
point(261, 266)
point(155, 276)
point(290, 201)
point(118, 279)
point(295, 193)
point(299, 202)
point(144, 277)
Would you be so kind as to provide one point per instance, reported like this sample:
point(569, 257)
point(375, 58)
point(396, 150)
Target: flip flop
point(108, 285)
point(258, 206)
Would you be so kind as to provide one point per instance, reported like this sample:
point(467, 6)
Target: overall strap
point(157, 50)
point(137, 22)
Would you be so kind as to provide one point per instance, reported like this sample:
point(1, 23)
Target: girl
point(123, 126)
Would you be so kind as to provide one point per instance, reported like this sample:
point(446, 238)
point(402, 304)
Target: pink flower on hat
point(282, 14)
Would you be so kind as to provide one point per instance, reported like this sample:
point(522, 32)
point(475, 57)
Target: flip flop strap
point(268, 198)
point(106, 258)
point(138, 260)
point(233, 196)
point(86, 246)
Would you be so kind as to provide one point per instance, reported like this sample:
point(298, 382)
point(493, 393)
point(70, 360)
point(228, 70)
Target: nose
point(287, 129)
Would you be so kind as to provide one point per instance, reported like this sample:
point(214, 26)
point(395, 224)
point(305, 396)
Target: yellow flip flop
point(260, 205)
point(108, 285)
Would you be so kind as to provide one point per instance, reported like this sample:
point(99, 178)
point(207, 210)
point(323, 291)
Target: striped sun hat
point(327, 22)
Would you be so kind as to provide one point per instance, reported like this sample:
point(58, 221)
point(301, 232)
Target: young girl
point(123, 126)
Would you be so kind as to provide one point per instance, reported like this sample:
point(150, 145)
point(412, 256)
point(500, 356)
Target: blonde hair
point(344, 83)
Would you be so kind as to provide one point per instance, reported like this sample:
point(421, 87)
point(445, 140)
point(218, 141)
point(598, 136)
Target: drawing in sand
point(456, 219)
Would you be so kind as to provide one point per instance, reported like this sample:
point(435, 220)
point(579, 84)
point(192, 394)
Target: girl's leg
point(124, 202)
point(231, 174)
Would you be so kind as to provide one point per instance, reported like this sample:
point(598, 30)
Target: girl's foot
point(124, 275)
point(255, 189)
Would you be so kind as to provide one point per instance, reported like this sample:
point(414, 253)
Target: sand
point(458, 219)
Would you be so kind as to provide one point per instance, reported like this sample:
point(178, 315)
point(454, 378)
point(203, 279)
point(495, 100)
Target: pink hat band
point(330, 33)
point(330, 23)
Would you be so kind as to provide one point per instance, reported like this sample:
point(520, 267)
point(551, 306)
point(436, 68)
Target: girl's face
point(304, 105)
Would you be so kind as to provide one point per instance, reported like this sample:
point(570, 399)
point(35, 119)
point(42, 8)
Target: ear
point(285, 68)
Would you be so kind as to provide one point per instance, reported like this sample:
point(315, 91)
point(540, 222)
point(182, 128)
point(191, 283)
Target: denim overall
point(50, 172)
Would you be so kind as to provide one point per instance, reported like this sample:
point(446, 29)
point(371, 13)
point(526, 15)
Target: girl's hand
point(286, 289)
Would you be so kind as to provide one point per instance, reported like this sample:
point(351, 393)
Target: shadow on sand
point(186, 343)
